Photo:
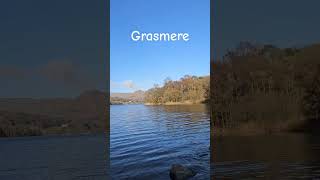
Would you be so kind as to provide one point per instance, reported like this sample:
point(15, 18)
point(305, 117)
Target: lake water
point(282, 156)
point(54, 158)
point(147, 140)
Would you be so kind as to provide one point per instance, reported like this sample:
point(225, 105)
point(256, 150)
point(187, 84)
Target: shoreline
point(163, 104)
point(295, 128)
point(57, 135)
point(175, 103)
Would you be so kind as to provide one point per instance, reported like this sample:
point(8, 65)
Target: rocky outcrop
point(179, 172)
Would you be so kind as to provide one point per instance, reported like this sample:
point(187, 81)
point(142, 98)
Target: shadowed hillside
point(83, 114)
point(136, 97)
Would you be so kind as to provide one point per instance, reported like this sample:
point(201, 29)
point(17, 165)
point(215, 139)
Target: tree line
point(266, 86)
point(188, 89)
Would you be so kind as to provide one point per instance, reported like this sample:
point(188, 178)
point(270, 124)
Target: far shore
point(175, 103)
point(162, 104)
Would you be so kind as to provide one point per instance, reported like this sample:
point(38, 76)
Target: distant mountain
point(26, 116)
point(125, 98)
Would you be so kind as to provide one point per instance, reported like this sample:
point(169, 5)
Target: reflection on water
point(54, 158)
point(147, 140)
point(283, 156)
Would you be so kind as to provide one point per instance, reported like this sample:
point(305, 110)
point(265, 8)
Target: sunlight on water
point(147, 140)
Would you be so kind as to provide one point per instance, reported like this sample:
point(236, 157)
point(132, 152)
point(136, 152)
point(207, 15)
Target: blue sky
point(284, 23)
point(52, 48)
point(140, 65)
point(59, 48)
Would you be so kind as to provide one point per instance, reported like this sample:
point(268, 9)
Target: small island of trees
point(187, 90)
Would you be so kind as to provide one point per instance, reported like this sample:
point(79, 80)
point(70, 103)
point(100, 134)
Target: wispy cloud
point(62, 72)
point(12, 72)
point(128, 84)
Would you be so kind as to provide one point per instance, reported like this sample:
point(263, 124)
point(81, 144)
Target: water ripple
point(147, 140)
